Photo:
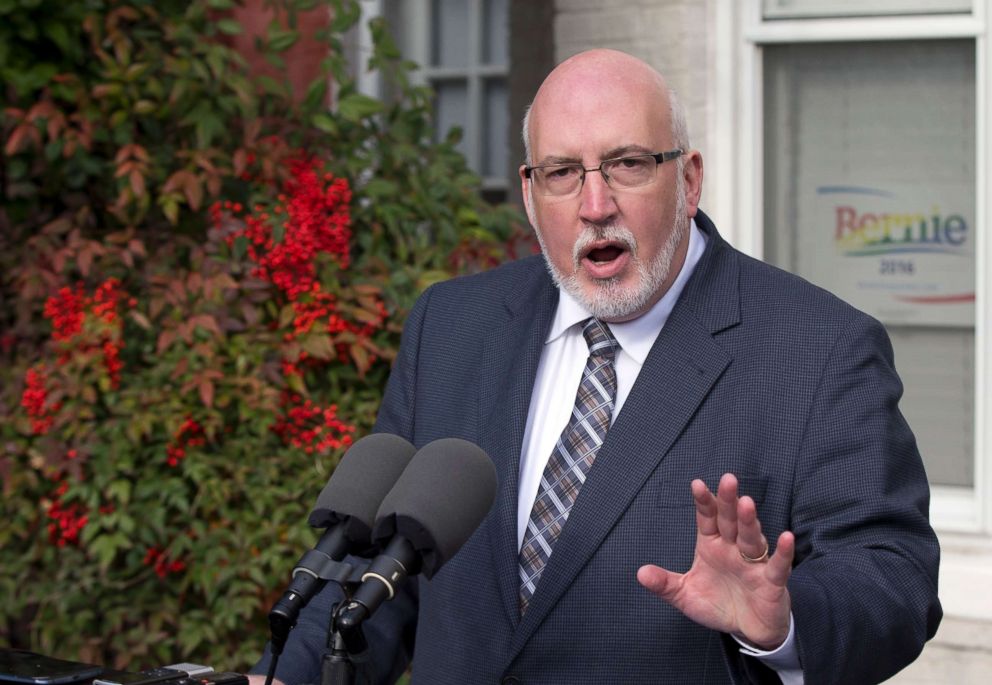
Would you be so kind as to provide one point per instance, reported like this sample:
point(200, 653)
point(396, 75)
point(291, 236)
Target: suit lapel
point(679, 372)
point(509, 367)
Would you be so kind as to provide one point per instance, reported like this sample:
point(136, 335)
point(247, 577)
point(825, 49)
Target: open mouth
point(605, 254)
point(605, 259)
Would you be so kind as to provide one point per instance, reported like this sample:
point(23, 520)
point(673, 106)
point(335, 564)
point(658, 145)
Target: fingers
point(726, 507)
point(750, 541)
point(717, 515)
point(663, 583)
point(780, 565)
point(735, 520)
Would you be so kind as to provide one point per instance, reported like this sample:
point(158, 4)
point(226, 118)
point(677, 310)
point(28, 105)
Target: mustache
point(614, 233)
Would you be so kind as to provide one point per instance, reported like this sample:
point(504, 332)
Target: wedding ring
point(758, 559)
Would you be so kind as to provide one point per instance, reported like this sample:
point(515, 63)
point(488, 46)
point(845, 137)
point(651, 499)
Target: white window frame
point(961, 515)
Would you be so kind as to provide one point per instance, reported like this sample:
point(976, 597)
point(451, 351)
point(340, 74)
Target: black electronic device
point(149, 677)
point(21, 666)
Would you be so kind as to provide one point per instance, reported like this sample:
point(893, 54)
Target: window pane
point(451, 109)
point(495, 33)
point(781, 9)
point(449, 42)
point(870, 193)
point(496, 128)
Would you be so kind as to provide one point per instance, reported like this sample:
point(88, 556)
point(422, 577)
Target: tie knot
point(599, 338)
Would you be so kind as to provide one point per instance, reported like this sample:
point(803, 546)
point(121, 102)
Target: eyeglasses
point(562, 180)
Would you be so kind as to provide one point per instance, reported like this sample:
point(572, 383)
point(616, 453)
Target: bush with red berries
point(203, 277)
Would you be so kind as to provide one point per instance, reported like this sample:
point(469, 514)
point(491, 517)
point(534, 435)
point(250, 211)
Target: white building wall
point(671, 36)
point(679, 38)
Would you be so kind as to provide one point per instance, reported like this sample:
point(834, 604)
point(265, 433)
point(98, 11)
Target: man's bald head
point(602, 73)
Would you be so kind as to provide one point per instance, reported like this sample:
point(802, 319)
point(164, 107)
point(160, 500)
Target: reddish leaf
point(193, 190)
point(140, 319)
point(194, 282)
point(176, 181)
point(165, 340)
point(182, 366)
point(84, 260)
point(137, 248)
point(17, 137)
point(207, 392)
point(361, 358)
point(365, 316)
point(207, 322)
point(137, 180)
point(240, 161)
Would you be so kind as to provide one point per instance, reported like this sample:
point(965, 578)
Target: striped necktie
point(572, 457)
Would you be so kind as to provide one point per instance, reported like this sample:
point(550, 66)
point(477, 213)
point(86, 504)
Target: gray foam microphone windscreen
point(366, 473)
point(439, 500)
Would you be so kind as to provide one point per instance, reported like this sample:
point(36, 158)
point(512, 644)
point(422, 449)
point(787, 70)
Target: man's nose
point(597, 203)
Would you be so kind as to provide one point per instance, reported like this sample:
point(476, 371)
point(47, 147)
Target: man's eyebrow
point(555, 159)
point(626, 151)
point(612, 153)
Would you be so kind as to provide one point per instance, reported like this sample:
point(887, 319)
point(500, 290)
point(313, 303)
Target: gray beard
point(610, 300)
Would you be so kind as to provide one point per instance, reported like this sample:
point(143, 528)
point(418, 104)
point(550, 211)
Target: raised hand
point(733, 585)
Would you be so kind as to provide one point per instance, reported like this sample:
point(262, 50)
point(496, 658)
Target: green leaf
point(357, 106)
point(240, 248)
point(379, 187)
point(58, 34)
point(229, 26)
point(105, 547)
point(120, 490)
point(318, 345)
point(325, 122)
point(280, 41)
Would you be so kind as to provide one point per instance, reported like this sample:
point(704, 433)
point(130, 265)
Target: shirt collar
point(637, 336)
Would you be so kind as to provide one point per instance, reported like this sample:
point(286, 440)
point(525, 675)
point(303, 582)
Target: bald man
point(704, 475)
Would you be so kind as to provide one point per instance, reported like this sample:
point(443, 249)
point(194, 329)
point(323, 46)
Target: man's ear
point(692, 174)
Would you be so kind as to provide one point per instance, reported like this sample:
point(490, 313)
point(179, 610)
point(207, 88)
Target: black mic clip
point(315, 567)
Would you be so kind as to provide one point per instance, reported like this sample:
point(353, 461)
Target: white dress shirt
point(559, 373)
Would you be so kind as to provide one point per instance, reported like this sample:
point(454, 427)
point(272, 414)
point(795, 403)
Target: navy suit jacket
point(757, 373)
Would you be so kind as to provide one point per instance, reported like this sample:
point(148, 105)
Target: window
point(463, 49)
point(860, 133)
point(870, 192)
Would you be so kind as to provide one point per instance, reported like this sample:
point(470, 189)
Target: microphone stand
point(346, 659)
point(347, 651)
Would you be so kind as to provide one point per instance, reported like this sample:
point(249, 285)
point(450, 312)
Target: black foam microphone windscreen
point(367, 472)
point(439, 500)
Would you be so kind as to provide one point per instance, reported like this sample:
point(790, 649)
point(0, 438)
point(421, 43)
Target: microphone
point(346, 507)
point(433, 509)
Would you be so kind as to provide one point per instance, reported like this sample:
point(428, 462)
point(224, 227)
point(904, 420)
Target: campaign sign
point(905, 257)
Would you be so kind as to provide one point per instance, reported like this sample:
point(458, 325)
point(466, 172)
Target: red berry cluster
point(321, 308)
point(65, 310)
point(190, 434)
point(34, 399)
point(67, 520)
point(311, 427)
point(313, 213)
point(68, 311)
point(156, 557)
